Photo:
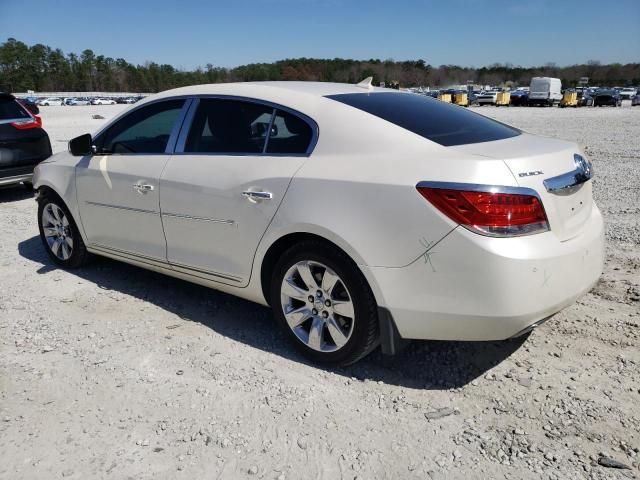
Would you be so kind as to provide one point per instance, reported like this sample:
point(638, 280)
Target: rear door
point(118, 187)
point(222, 187)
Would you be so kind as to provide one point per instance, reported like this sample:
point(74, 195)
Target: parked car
point(29, 105)
point(67, 100)
point(80, 101)
point(635, 100)
point(519, 98)
point(609, 97)
point(50, 101)
point(23, 142)
point(627, 93)
point(103, 101)
point(487, 97)
point(585, 98)
point(362, 215)
point(545, 91)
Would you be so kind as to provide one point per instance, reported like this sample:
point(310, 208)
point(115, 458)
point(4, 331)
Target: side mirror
point(81, 146)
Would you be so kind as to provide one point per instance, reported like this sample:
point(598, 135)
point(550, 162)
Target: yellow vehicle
point(444, 97)
point(461, 98)
point(503, 99)
point(569, 99)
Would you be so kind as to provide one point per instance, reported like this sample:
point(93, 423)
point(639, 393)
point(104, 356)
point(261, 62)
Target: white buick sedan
point(362, 216)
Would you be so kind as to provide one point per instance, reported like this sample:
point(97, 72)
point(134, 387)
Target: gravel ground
point(115, 372)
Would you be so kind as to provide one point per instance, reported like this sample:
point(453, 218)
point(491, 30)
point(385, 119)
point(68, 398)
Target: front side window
point(229, 126)
point(289, 134)
point(145, 130)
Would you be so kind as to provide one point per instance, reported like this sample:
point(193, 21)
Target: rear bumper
point(10, 176)
point(16, 179)
point(470, 287)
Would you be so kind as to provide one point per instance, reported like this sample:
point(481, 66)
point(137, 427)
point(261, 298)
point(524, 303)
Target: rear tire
point(324, 304)
point(59, 233)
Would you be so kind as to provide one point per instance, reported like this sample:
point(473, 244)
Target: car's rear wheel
point(59, 233)
point(324, 304)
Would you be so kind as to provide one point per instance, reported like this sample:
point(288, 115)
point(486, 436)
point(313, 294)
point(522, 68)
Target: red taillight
point(489, 212)
point(28, 123)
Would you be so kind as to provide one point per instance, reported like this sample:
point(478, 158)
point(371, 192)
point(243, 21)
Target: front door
point(224, 185)
point(118, 186)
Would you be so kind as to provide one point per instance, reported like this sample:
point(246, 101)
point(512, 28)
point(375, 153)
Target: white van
point(545, 91)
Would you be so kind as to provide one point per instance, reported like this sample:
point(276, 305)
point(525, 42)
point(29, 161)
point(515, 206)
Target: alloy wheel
point(57, 231)
point(317, 306)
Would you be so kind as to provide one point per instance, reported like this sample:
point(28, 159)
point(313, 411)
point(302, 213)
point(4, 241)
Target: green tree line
point(43, 68)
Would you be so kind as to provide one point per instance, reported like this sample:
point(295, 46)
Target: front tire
point(323, 303)
point(59, 233)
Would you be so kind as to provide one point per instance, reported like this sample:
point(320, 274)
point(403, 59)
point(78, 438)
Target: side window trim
point(188, 121)
point(177, 127)
point(266, 140)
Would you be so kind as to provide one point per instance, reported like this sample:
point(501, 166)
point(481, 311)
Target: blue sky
point(187, 33)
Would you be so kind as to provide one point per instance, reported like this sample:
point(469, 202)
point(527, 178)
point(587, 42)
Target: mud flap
point(391, 342)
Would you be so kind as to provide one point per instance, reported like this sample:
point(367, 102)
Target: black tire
point(365, 333)
point(79, 254)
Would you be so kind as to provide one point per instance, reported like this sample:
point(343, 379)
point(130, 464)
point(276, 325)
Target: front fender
point(58, 174)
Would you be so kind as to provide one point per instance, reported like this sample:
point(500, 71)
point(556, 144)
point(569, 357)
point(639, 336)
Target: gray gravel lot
point(115, 372)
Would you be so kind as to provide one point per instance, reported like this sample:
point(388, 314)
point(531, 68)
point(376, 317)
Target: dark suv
point(23, 142)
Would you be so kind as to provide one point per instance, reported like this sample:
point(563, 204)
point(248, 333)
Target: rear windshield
point(433, 119)
point(10, 109)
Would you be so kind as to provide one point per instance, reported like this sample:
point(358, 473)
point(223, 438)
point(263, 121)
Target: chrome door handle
point(142, 187)
point(256, 196)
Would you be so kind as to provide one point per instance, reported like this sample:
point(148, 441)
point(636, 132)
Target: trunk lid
point(532, 160)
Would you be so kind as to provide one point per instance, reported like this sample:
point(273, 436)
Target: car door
point(117, 187)
point(223, 185)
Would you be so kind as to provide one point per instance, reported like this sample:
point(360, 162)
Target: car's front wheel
point(59, 234)
point(324, 304)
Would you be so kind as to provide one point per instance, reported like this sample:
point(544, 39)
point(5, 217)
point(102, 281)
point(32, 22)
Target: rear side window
point(229, 126)
point(145, 130)
point(289, 134)
point(440, 122)
point(11, 109)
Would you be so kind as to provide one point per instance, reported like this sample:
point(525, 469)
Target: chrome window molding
point(476, 187)
point(178, 137)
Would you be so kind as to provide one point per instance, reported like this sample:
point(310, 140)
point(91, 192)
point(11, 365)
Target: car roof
point(318, 89)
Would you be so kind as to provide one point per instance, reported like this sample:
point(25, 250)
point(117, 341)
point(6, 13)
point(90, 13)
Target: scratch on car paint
point(427, 254)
